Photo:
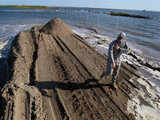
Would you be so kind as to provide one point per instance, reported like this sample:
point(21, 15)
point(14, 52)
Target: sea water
point(143, 35)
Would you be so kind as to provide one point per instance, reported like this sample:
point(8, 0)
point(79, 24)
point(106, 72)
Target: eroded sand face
point(54, 74)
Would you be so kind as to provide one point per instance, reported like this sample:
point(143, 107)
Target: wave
point(7, 34)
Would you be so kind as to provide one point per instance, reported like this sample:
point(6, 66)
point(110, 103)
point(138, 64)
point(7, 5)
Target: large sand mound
point(54, 74)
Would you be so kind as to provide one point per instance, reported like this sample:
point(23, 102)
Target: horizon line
point(84, 7)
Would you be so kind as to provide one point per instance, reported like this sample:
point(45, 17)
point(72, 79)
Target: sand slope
point(54, 75)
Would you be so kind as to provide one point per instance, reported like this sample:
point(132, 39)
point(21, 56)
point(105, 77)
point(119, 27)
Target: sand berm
point(53, 74)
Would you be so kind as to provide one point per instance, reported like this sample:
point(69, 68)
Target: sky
point(117, 4)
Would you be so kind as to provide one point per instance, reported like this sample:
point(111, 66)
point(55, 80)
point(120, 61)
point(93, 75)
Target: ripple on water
point(7, 34)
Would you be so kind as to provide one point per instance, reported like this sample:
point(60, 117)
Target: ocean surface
point(143, 35)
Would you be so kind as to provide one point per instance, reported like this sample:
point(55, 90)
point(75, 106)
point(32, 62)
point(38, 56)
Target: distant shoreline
point(58, 7)
point(29, 7)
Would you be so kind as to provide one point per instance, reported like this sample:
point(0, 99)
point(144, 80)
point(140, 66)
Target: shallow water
point(143, 35)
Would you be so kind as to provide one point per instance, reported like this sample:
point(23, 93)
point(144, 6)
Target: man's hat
point(122, 35)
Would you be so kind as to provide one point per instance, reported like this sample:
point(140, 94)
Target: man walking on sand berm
point(116, 49)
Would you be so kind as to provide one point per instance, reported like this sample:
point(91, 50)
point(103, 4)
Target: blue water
point(142, 34)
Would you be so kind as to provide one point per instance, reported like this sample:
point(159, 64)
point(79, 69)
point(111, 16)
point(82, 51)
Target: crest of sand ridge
point(56, 27)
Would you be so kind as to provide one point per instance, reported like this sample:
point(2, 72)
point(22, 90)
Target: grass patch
point(28, 7)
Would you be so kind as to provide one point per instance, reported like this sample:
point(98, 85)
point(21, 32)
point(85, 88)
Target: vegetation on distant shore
point(29, 7)
point(128, 15)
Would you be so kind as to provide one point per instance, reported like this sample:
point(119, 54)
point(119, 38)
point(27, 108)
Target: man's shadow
point(88, 84)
